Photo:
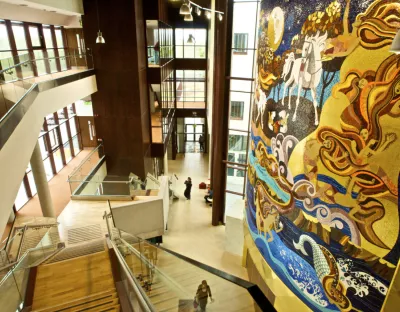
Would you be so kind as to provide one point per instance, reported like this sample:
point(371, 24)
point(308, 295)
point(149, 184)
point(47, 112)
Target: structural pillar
point(42, 186)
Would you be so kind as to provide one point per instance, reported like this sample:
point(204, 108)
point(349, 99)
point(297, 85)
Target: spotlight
point(220, 16)
point(198, 11)
point(208, 14)
point(188, 18)
point(185, 8)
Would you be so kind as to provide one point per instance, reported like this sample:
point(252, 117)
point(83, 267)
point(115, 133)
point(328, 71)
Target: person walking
point(202, 294)
point(201, 141)
point(188, 184)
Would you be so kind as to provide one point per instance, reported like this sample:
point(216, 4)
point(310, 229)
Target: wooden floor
point(59, 190)
point(72, 280)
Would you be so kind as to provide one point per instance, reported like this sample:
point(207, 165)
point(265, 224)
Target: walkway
point(59, 189)
point(190, 232)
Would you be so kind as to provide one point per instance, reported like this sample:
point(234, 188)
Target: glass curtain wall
point(191, 43)
point(22, 41)
point(191, 89)
point(243, 53)
point(59, 142)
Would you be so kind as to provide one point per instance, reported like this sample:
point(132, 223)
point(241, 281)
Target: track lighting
point(188, 18)
point(185, 8)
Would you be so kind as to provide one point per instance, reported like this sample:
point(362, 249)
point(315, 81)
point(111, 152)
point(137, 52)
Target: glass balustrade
point(20, 73)
point(173, 282)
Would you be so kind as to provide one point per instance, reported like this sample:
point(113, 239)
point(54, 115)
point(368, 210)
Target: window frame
point(240, 50)
point(241, 110)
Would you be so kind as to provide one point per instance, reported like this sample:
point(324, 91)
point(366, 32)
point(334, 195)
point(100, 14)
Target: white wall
point(27, 14)
point(16, 153)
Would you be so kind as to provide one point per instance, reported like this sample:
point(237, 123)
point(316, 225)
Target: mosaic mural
point(322, 187)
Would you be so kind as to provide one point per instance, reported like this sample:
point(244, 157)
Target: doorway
point(189, 132)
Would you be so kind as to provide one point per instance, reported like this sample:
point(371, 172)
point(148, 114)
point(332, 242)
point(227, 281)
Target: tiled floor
point(189, 225)
point(59, 189)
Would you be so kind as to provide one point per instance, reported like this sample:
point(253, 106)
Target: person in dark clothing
point(188, 184)
point(202, 294)
point(201, 141)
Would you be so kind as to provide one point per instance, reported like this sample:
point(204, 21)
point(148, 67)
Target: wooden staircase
point(84, 283)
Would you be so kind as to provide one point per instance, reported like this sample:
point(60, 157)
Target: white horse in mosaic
point(261, 103)
point(306, 71)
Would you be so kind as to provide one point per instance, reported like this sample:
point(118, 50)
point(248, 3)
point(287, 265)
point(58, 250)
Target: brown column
point(220, 120)
point(120, 107)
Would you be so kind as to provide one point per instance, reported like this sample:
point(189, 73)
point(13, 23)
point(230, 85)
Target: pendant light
point(191, 39)
point(395, 48)
point(188, 18)
point(198, 11)
point(208, 14)
point(185, 8)
point(220, 16)
point(100, 38)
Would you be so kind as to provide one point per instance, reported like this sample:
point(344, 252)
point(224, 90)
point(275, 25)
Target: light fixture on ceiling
point(191, 39)
point(198, 11)
point(208, 14)
point(395, 48)
point(188, 18)
point(220, 16)
point(100, 38)
point(185, 8)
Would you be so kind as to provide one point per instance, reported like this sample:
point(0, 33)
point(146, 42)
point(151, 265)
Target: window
point(237, 109)
point(190, 88)
point(190, 43)
point(240, 43)
point(237, 143)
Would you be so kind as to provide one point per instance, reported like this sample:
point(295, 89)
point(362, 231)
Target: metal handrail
point(144, 301)
point(12, 118)
point(35, 60)
point(84, 161)
point(21, 243)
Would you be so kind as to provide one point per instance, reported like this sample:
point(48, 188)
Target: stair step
point(98, 305)
point(109, 294)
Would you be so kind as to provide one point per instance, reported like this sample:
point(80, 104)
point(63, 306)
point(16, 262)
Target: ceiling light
point(220, 16)
point(208, 14)
point(100, 38)
point(395, 48)
point(185, 8)
point(191, 39)
point(198, 11)
point(188, 18)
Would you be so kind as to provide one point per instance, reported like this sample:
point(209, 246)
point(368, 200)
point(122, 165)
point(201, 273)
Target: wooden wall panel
point(121, 102)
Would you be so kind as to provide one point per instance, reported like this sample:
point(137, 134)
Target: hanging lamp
point(100, 38)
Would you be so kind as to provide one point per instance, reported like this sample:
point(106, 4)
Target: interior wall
point(322, 186)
